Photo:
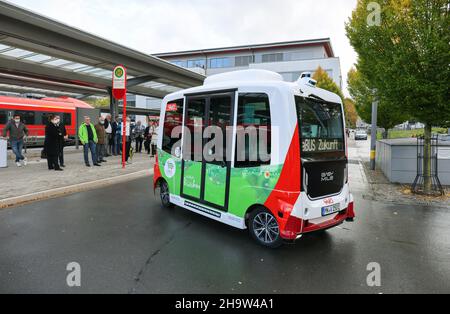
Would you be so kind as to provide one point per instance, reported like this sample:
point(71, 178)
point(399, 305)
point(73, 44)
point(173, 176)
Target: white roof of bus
point(256, 78)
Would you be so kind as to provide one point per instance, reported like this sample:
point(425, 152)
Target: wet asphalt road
point(126, 243)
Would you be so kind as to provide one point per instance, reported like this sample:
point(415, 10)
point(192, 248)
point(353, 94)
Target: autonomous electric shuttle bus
point(255, 152)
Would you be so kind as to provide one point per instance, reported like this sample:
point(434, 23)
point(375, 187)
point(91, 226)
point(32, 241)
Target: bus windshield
point(321, 125)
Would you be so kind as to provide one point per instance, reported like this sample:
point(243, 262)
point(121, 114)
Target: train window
point(67, 119)
point(27, 117)
point(3, 117)
point(45, 117)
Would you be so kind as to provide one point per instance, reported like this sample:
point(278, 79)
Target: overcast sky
point(153, 26)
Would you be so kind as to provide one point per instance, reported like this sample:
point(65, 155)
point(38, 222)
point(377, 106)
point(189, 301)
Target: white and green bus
point(254, 152)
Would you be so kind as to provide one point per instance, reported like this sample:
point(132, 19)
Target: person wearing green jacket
point(88, 138)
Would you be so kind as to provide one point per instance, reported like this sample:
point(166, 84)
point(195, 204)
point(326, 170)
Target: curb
point(72, 189)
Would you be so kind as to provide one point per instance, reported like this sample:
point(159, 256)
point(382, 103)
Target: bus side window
point(3, 117)
point(253, 131)
point(172, 120)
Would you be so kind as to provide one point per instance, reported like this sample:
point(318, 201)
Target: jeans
point(17, 146)
point(101, 152)
point(117, 144)
point(92, 147)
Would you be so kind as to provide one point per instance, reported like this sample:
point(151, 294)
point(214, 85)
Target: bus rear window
point(321, 125)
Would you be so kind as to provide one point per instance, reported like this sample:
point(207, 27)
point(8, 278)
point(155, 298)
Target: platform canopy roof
point(40, 53)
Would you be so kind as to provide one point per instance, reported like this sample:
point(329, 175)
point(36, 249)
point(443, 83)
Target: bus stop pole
point(124, 135)
point(373, 135)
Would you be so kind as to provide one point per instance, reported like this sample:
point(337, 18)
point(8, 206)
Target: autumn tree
point(351, 114)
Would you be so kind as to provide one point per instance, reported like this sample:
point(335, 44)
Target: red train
point(35, 112)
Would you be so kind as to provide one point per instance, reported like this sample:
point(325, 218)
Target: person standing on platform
point(62, 138)
point(52, 143)
point(128, 140)
point(109, 134)
point(154, 142)
point(88, 138)
point(148, 139)
point(117, 126)
point(17, 131)
point(101, 140)
point(139, 136)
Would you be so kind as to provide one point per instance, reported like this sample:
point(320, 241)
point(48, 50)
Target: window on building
point(272, 57)
point(3, 117)
point(200, 63)
point(27, 117)
point(253, 131)
point(243, 61)
point(180, 63)
point(220, 63)
point(173, 119)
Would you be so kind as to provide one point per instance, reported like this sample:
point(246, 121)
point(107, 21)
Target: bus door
point(206, 162)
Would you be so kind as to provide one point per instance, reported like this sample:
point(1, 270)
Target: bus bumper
point(296, 227)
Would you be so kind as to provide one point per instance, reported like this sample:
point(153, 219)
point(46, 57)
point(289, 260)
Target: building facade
point(289, 59)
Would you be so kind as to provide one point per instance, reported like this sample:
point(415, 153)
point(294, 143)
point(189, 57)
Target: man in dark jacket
point(101, 143)
point(17, 132)
point(63, 137)
point(115, 137)
point(52, 144)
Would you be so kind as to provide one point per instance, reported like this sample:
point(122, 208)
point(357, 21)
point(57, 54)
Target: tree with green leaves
point(403, 52)
point(98, 102)
point(389, 115)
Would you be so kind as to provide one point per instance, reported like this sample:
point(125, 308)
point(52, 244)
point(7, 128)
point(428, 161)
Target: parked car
point(444, 137)
point(361, 135)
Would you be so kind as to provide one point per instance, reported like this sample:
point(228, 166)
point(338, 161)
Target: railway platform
point(35, 182)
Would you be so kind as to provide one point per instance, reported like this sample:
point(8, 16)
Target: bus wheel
point(164, 194)
point(264, 228)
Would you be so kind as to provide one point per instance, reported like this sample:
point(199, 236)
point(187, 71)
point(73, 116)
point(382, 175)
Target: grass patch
point(393, 134)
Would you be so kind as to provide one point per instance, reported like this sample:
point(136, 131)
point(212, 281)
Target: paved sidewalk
point(384, 191)
point(35, 181)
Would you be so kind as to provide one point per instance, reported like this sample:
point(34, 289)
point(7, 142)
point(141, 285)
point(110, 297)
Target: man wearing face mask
point(52, 144)
point(17, 133)
point(101, 140)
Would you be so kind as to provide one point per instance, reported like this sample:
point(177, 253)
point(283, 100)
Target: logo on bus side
point(170, 168)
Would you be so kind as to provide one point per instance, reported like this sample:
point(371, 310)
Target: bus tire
point(164, 194)
point(264, 228)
